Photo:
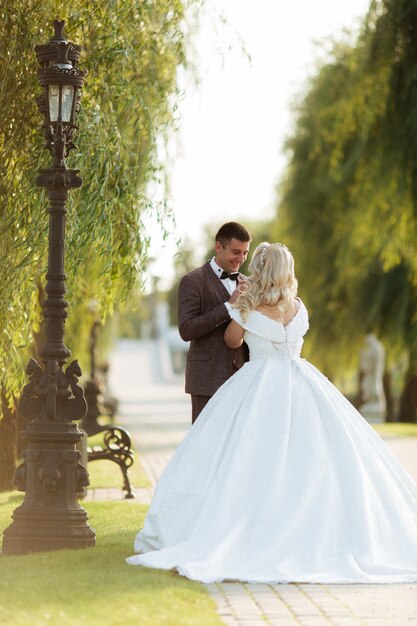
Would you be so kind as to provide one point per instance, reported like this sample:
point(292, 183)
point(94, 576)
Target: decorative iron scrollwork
point(82, 478)
point(117, 447)
point(20, 477)
point(49, 476)
point(51, 394)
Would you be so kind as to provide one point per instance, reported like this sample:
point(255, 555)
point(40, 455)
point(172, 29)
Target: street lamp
point(50, 517)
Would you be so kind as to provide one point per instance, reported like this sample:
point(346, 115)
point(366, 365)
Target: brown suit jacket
point(202, 320)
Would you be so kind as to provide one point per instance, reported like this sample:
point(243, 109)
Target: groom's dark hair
point(232, 230)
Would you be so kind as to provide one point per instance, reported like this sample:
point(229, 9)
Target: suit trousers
point(197, 405)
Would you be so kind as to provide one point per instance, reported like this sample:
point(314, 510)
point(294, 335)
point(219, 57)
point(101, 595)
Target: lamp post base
point(50, 517)
point(23, 539)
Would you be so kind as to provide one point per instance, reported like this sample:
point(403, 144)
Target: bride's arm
point(233, 335)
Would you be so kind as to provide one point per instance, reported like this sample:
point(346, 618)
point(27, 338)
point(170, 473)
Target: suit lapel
point(215, 284)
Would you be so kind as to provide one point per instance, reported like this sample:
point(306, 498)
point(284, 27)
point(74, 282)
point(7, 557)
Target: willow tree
point(132, 51)
point(348, 203)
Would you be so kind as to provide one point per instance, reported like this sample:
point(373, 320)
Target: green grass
point(106, 475)
point(396, 429)
point(95, 587)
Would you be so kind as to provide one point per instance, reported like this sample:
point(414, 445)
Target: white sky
point(228, 157)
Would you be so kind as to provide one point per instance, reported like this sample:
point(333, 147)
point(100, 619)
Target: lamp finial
point(59, 26)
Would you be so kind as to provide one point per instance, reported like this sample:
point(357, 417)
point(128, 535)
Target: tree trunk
point(8, 446)
point(408, 403)
point(389, 399)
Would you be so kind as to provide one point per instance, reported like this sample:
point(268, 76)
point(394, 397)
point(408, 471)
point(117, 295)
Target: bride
point(280, 479)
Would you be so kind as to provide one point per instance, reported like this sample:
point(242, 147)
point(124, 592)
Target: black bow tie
point(232, 276)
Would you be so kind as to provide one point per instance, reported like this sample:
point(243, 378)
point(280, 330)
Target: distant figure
point(372, 362)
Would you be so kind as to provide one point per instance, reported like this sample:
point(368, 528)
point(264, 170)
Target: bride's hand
point(234, 296)
point(241, 285)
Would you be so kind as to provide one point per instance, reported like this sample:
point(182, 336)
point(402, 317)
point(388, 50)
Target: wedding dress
point(281, 480)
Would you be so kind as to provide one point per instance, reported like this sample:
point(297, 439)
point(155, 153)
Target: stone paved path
point(156, 411)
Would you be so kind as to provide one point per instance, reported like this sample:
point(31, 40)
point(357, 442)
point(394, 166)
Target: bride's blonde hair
point(271, 280)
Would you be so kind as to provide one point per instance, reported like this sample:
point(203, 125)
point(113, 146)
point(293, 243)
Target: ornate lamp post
point(50, 517)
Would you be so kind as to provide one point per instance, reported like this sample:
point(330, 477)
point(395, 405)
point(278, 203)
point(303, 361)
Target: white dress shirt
point(227, 282)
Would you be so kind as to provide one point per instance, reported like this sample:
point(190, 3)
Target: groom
point(205, 296)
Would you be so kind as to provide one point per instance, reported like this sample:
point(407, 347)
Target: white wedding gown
point(281, 480)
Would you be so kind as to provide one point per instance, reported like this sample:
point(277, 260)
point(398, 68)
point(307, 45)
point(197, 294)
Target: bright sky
point(228, 157)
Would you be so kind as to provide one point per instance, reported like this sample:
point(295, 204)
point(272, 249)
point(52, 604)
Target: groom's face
point(232, 254)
